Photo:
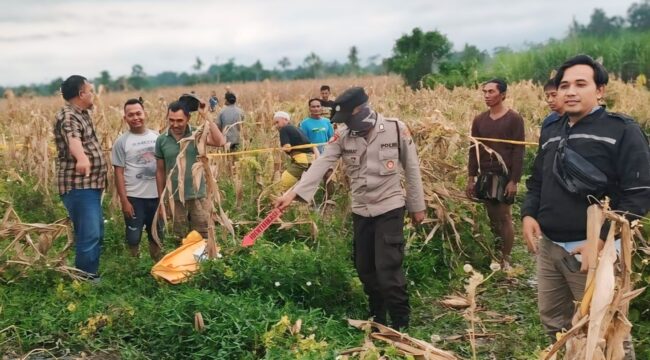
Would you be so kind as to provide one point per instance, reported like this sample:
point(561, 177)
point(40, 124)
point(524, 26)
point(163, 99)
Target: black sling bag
point(575, 173)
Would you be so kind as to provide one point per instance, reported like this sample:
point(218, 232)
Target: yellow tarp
point(180, 264)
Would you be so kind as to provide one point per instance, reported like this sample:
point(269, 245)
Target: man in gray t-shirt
point(231, 117)
point(135, 178)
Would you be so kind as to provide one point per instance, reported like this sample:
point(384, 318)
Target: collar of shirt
point(76, 108)
point(596, 108)
point(587, 118)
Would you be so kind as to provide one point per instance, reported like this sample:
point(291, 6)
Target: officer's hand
point(417, 217)
point(511, 190)
point(285, 200)
point(128, 210)
point(532, 233)
point(469, 190)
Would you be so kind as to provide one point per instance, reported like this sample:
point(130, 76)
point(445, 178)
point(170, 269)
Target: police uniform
point(378, 202)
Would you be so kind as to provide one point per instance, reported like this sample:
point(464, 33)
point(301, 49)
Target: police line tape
point(307, 146)
point(298, 147)
point(515, 142)
point(20, 146)
point(253, 151)
point(231, 153)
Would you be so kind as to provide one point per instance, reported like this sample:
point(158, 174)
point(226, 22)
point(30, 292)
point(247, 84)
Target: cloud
point(42, 39)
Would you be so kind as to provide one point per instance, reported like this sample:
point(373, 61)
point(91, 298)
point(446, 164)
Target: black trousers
point(378, 255)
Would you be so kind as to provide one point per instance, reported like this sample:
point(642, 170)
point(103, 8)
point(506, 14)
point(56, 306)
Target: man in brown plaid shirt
point(81, 171)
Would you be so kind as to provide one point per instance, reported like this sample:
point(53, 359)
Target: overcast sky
point(44, 39)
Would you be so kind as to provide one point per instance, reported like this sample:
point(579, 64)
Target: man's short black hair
point(325, 87)
point(502, 86)
point(601, 77)
point(71, 87)
point(550, 85)
point(313, 99)
point(177, 105)
point(231, 98)
point(134, 101)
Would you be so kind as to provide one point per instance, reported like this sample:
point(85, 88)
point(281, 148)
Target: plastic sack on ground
point(180, 264)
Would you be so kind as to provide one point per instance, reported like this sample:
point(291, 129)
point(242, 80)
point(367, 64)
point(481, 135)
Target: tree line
point(313, 66)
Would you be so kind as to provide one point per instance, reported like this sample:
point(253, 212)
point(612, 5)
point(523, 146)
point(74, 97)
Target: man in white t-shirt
point(135, 178)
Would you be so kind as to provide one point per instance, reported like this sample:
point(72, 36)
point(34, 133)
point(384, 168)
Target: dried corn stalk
point(406, 345)
point(24, 246)
point(600, 325)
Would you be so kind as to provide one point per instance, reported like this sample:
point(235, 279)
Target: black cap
point(347, 101)
point(190, 102)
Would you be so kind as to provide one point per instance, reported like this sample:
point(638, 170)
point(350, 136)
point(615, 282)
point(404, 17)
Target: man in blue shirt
point(317, 128)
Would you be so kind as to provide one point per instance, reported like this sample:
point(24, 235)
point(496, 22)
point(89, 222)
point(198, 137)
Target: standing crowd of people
point(376, 153)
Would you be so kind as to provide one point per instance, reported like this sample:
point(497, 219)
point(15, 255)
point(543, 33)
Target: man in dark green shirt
point(197, 207)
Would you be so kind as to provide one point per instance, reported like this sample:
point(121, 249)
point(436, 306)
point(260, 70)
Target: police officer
point(373, 148)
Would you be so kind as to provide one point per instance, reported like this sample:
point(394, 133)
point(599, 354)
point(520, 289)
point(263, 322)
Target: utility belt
point(492, 187)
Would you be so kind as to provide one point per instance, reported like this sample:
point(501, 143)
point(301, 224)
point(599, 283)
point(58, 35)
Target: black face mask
point(361, 123)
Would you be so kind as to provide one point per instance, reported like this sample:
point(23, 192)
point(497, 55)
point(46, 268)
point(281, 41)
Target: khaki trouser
point(194, 215)
point(558, 288)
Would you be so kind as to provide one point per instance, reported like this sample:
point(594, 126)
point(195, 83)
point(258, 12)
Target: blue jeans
point(85, 210)
point(144, 209)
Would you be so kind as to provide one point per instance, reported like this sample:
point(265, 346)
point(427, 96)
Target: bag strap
point(399, 142)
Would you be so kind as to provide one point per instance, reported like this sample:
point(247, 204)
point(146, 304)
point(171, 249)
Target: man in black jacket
point(554, 219)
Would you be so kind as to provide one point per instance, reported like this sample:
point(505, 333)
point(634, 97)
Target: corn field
point(439, 119)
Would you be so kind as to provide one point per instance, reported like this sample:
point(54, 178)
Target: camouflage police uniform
point(378, 200)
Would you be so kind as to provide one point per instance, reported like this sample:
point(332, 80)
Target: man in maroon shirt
point(499, 122)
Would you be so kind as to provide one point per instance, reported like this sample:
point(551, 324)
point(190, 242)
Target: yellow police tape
point(253, 151)
point(307, 146)
point(20, 146)
point(515, 142)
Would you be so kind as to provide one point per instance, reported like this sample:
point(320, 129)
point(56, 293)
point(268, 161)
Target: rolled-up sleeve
point(71, 127)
